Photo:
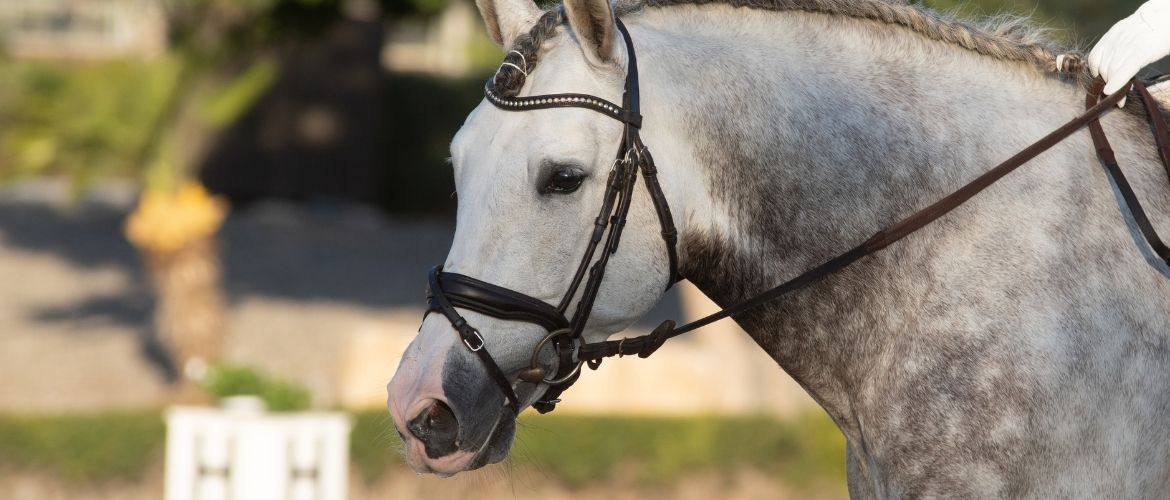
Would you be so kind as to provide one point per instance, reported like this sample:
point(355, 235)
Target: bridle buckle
point(474, 336)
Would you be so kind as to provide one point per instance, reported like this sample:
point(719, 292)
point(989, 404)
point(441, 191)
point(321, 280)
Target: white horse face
point(529, 187)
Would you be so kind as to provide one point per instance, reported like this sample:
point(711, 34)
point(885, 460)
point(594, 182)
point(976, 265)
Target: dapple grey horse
point(1019, 347)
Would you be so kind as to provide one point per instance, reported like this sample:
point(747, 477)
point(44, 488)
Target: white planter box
point(222, 454)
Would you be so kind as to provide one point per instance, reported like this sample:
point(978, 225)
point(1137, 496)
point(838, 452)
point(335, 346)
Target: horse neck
point(787, 138)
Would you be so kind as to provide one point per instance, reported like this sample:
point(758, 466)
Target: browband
point(564, 101)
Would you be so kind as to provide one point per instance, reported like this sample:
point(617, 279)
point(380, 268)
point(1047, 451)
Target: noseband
point(448, 291)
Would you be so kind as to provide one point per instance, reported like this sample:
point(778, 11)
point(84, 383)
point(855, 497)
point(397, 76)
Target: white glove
point(1132, 44)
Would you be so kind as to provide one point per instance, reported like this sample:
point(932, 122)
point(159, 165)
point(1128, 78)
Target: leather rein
point(448, 291)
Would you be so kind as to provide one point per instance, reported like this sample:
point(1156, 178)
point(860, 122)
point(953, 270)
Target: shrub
point(279, 394)
point(83, 448)
point(374, 446)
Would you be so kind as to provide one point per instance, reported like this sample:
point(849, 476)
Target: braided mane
point(1004, 37)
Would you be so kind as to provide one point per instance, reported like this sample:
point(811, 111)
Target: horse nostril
point(437, 428)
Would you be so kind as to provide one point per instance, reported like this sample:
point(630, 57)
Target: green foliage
point(1087, 20)
point(579, 450)
point(83, 448)
point(429, 6)
point(1078, 21)
point(280, 395)
point(229, 104)
point(484, 53)
point(583, 450)
point(82, 121)
point(374, 446)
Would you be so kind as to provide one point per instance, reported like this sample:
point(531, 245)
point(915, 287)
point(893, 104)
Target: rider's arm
point(1132, 44)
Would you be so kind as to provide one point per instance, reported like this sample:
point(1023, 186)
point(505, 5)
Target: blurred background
point(202, 199)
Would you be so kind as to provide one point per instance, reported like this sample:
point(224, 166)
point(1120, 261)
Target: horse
point(1018, 347)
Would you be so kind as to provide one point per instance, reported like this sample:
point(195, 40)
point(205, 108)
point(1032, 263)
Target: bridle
point(449, 291)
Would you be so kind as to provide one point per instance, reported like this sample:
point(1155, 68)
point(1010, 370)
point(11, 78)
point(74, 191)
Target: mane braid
point(1003, 37)
point(1009, 38)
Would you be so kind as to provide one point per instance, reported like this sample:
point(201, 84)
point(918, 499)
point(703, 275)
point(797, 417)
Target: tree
point(226, 53)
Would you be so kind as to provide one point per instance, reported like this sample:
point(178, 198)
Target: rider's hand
point(1132, 44)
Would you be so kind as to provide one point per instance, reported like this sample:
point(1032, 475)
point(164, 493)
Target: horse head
point(530, 185)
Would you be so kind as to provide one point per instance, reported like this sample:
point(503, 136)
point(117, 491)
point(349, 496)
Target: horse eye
point(564, 181)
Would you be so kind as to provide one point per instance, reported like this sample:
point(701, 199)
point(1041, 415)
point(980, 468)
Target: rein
point(447, 291)
point(645, 345)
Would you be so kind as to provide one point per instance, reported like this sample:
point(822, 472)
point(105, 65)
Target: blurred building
point(441, 45)
point(364, 113)
point(82, 29)
point(317, 132)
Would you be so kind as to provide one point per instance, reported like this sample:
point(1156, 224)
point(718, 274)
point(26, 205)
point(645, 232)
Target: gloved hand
point(1132, 44)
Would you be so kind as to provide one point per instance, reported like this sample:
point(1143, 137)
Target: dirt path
point(75, 324)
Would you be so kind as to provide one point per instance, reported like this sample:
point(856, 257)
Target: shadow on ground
point(301, 253)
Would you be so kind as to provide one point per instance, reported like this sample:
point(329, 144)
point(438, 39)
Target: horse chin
point(497, 446)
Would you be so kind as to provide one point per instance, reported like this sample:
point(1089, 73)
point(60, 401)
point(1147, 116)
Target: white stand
point(243, 453)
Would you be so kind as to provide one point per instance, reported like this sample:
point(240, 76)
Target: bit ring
point(535, 362)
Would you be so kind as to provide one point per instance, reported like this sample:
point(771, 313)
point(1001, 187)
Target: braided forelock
point(525, 53)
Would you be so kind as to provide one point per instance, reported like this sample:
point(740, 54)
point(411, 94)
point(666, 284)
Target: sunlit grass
point(656, 450)
point(83, 448)
point(577, 451)
point(581, 450)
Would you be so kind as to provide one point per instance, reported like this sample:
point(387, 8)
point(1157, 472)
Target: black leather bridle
point(448, 291)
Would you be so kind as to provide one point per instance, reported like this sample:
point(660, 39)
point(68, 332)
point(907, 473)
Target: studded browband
point(564, 101)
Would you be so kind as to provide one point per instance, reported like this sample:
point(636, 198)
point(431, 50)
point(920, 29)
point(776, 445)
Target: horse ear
point(507, 19)
point(594, 24)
